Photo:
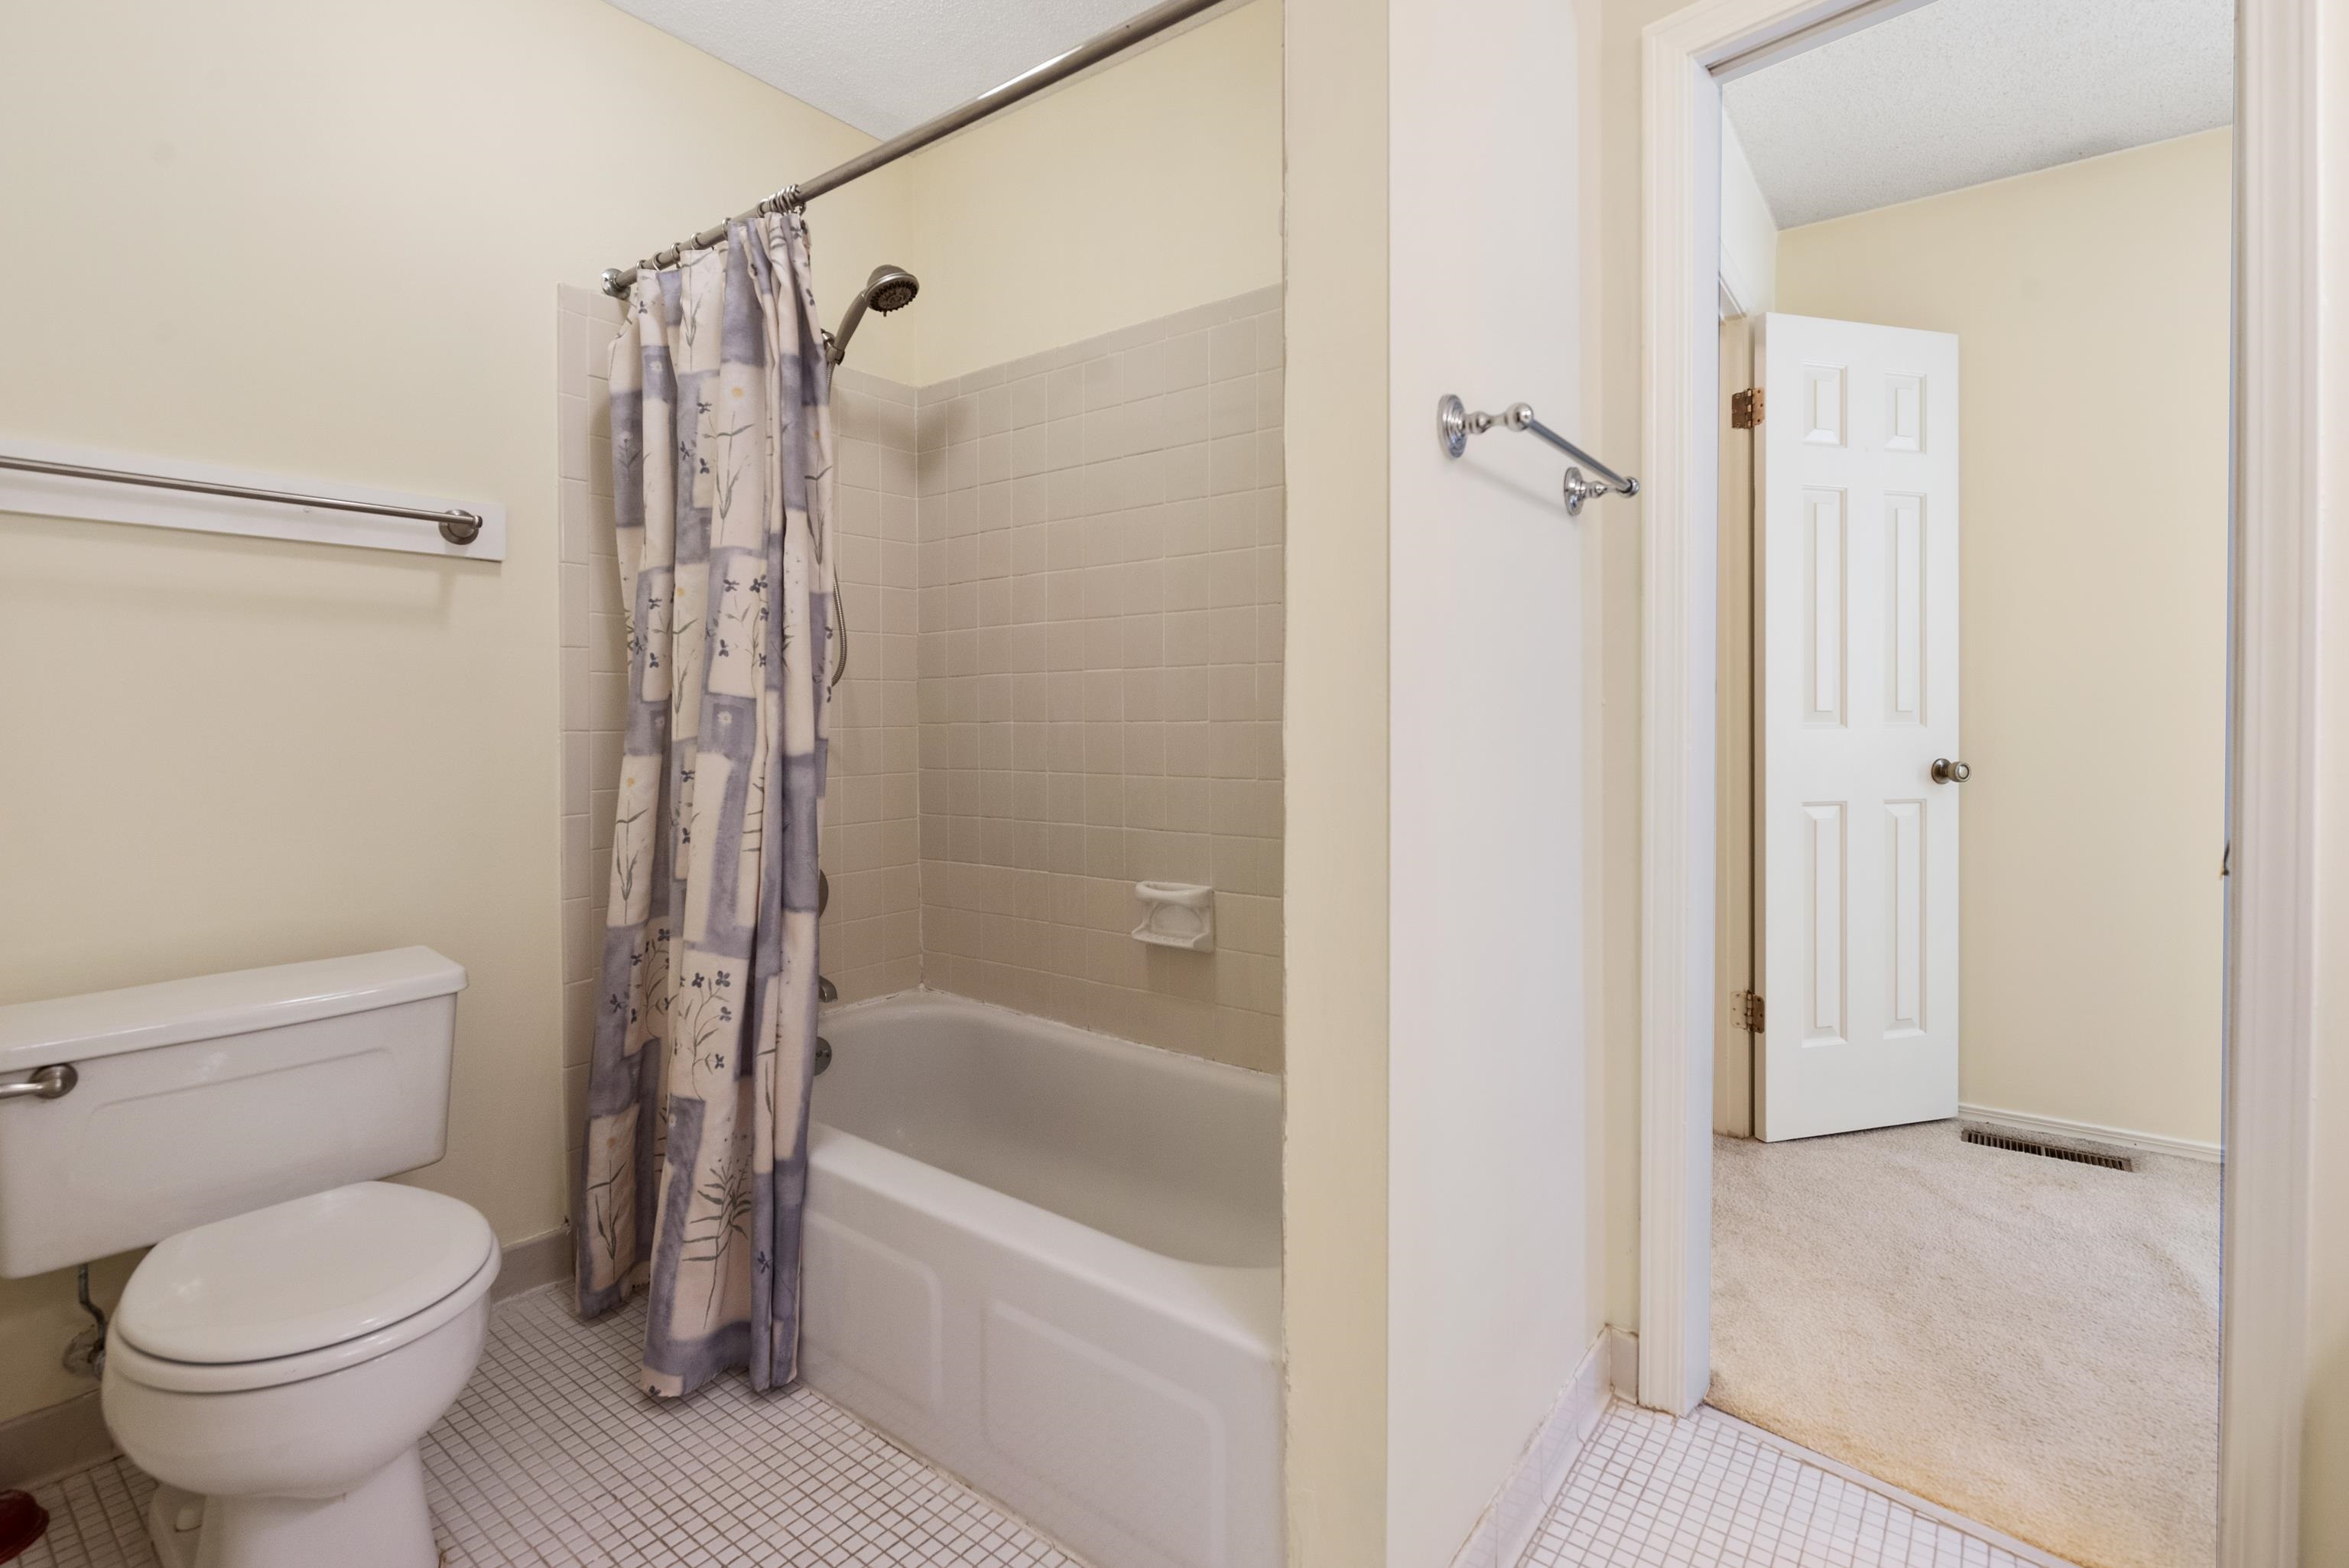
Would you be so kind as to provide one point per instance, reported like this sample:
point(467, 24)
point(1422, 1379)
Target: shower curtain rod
point(1059, 68)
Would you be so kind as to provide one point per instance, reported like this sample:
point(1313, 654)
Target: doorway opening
point(2267, 1023)
point(1973, 456)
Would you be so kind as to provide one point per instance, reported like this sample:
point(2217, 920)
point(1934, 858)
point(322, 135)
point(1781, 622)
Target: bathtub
point(1050, 1261)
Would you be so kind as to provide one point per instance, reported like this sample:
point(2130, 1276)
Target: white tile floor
point(1650, 1491)
point(550, 1456)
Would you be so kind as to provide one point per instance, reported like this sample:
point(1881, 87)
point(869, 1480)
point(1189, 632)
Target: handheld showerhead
point(889, 289)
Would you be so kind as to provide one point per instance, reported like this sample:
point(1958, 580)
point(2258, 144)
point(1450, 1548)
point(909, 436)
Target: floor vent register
point(2078, 1154)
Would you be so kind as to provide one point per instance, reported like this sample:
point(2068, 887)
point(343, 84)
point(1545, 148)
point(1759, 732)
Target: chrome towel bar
point(1455, 423)
point(457, 526)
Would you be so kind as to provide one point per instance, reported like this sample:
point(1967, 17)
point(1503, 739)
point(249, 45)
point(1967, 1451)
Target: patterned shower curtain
point(696, 1167)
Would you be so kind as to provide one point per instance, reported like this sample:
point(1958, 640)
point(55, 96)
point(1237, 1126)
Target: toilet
point(300, 1323)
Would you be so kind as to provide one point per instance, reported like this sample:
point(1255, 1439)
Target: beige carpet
point(2031, 1342)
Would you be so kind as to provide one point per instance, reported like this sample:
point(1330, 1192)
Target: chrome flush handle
point(46, 1083)
point(1948, 772)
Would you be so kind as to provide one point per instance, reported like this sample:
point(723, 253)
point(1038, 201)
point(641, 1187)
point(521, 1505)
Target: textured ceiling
point(1960, 91)
point(883, 65)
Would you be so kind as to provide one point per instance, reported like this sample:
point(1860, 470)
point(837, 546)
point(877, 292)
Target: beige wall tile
point(871, 929)
point(1097, 674)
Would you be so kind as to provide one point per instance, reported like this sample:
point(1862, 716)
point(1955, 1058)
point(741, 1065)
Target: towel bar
point(1455, 424)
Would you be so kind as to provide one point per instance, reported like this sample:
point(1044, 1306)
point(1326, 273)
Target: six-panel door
point(1856, 693)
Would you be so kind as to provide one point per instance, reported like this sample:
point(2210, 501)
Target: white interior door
point(1857, 841)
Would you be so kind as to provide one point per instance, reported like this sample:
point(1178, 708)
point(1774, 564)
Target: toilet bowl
point(275, 1371)
point(300, 1324)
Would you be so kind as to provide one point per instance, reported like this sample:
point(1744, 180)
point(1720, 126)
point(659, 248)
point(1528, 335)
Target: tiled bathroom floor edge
point(2021, 1550)
point(551, 1457)
point(1708, 1491)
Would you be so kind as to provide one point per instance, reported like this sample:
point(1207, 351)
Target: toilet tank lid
point(207, 1006)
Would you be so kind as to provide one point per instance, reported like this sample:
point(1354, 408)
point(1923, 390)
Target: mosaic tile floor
point(1650, 1491)
point(550, 1456)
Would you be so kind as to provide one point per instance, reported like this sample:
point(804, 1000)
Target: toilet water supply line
point(86, 1357)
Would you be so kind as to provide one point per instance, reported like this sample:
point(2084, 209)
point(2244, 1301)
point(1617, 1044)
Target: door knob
point(1948, 772)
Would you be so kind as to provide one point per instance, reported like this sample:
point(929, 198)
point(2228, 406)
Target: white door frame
point(2272, 791)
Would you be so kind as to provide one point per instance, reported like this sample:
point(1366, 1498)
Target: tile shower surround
point(1100, 677)
point(1063, 579)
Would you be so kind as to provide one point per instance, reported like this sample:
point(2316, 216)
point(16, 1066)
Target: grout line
point(1708, 1489)
point(2034, 1555)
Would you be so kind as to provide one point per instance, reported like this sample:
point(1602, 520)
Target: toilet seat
point(300, 1289)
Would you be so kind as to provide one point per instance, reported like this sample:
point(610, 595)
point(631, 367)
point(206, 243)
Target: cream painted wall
point(1135, 192)
point(2092, 306)
point(1335, 870)
point(325, 241)
point(1490, 1300)
point(1440, 1291)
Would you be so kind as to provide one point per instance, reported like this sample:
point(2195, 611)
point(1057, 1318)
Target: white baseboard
point(41, 1445)
point(1509, 1521)
point(2058, 1127)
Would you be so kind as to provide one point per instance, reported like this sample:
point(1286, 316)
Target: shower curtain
point(696, 1166)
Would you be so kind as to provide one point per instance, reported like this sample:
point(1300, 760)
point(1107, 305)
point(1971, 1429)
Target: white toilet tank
point(196, 1099)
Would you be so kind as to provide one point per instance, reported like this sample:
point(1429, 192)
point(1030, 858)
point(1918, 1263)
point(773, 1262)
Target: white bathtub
point(1049, 1261)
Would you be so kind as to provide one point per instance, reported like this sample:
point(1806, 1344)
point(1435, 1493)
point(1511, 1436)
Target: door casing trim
point(2272, 786)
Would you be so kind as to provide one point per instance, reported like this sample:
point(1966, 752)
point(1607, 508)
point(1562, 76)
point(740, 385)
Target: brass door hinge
point(1745, 1012)
point(1745, 408)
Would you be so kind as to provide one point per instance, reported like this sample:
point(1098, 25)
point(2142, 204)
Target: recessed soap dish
point(1176, 914)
